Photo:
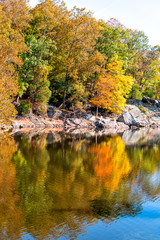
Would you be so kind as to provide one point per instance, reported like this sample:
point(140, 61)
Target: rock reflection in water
point(56, 185)
point(142, 136)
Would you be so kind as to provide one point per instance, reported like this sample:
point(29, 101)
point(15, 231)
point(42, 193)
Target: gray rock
point(68, 123)
point(99, 124)
point(158, 104)
point(132, 116)
point(108, 123)
point(78, 123)
point(58, 113)
point(149, 100)
point(16, 125)
point(90, 117)
point(51, 111)
point(155, 120)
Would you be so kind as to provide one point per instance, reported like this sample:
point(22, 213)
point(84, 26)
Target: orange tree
point(112, 87)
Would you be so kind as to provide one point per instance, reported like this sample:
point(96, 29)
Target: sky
point(142, 15)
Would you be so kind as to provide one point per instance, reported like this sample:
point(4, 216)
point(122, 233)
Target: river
point(57, 186)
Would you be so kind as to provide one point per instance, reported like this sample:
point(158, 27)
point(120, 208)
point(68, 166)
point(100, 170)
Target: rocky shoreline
point(136, 115)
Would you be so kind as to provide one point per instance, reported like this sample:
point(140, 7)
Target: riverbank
point(136, 114)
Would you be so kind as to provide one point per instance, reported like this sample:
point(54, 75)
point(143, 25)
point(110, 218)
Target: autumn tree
point(139, 59)
point(112, 88)
point(146, 72)
point(11, 44)
point(75, 34)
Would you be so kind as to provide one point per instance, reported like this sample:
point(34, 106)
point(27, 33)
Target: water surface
point(79, 187)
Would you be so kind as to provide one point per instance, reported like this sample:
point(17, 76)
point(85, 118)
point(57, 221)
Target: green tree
point(33, 81)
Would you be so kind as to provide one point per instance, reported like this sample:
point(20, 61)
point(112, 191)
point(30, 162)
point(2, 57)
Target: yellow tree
point(123, 85)
point(18, 13)
point(113, 87)
point(46, 18)
point(11, 44)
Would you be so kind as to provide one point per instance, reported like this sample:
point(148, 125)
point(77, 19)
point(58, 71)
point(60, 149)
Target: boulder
point(58, 113)
point(108, 123)
point(90, 117)
point(78, 123)
point(51, 111)
point(150, 101)
point(132, 116)
point(158, 103)
point(99, 124)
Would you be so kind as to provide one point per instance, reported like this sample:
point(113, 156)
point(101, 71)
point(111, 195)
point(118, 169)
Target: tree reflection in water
point(54, 186)
point(11, 214)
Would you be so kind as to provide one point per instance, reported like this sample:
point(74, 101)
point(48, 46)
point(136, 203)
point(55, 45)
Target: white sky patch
point(138, 14)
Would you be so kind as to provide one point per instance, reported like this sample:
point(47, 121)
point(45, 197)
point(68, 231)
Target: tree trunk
point(73, 110)
point(31, 111)
point(32, 102)
point(64, 99)
point(97, 111)
point(65, 91)
point(18, 99)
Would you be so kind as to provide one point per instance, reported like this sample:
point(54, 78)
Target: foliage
point(24, 107)
point(135, 93)
point(113, 41)
point(78, 95)
point(139, 59)
point(11, 44)
point(34, 72)
point(113, 88)
point(68, 58)
point(35, 69)
point(75, 58)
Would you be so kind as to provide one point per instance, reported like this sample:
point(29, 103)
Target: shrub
point(24, 107)
point(135, 93)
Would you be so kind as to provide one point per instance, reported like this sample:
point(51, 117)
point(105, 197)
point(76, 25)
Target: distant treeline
point(68, 58)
